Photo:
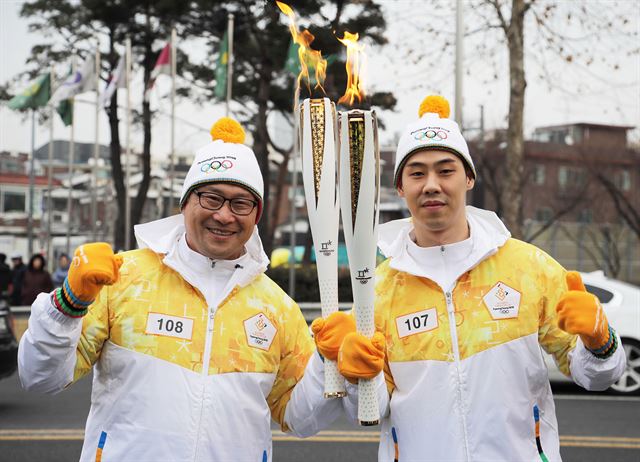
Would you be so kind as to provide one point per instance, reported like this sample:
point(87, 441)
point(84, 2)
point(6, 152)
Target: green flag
point(221, 68)
point(36, 95)
point(65, 109)
point(292, 63)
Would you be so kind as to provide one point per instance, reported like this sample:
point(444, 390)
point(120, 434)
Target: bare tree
point(562, 43)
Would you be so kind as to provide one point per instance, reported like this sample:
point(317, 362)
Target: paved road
point(594, 427)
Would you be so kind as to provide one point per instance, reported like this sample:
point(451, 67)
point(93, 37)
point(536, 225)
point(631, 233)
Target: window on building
point(571, 177)
point(538, 174)
point(585, 216)
point(13, 202)
point(562, 177)
point(625, 180)
point(544, 214)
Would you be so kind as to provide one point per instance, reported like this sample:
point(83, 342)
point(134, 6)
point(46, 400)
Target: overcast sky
point(614, 99)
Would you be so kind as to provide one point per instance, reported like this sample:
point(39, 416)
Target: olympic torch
point(318, 148)
point(359, 174)
point(359, 200)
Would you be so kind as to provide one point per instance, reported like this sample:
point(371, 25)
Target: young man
point(193, 348)
point(464, 310)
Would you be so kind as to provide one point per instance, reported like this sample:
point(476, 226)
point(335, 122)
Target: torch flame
point(308, 57)
point(356, 61)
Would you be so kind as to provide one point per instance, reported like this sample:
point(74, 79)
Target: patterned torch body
point(359, 172)
point(318, 148)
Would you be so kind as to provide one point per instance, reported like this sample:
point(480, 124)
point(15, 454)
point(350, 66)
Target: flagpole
point(127, 218)
point(70, 164)
point(96, 153)
point(294, 187)
point(50, 171)
point(229, 59)
point(173, 118)
point(31, 184)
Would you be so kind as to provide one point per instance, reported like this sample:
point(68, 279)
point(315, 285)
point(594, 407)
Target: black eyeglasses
point(214, 201)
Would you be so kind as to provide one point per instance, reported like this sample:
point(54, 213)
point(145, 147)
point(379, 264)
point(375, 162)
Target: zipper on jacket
point(456, 357)
point(206, 357)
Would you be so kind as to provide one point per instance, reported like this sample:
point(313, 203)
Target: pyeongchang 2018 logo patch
point(430, 134)
point(502, 301)
point(260, 331)
point(215, 165)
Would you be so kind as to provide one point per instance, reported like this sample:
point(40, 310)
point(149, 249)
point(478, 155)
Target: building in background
point(581, 194)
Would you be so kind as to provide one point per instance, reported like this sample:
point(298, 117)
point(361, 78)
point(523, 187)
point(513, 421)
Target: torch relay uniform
point(464, 324)
point(191, 357)
point(204, 390)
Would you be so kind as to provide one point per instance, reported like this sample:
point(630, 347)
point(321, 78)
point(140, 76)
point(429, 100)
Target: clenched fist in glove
point(580, 312)
point(329, 333)
point(93, 266)
point(361, 357)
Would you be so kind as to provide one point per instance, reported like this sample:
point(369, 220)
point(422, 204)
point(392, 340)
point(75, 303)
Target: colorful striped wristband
point(604, 347)
point(607, 350)
point(59, 300)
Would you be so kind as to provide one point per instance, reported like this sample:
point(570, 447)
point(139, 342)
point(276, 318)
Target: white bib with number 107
point(169, 326)
point(415, 323)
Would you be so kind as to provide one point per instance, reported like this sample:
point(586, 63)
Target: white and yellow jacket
point(464, 371)
point(182, 373)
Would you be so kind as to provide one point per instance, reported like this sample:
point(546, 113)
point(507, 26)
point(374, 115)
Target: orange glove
point(580, 312)
point(329, 333)
point(361, 357)
point(93, 266)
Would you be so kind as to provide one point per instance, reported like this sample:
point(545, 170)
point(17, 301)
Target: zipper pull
point(449, 302)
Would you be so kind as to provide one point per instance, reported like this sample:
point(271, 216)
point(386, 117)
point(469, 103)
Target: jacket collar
point(488, 234)
point(167, 236)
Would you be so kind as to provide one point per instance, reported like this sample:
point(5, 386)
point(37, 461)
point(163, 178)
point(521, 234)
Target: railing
point(310, 310)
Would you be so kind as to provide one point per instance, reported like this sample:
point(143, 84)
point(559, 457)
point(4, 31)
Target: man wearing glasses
point(194, 348)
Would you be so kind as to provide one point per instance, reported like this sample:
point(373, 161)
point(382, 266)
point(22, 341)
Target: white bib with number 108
point(415, 323)
point(169, 326)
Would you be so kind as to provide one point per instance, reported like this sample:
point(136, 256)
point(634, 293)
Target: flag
point(36, 95)
point(292, 63)
point(65, 110)
point(80, 81)
point(221, 68)
point(117, 80)
point(163, 66)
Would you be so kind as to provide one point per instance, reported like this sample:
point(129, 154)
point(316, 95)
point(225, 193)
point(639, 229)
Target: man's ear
point(470, 183)
point(400, 190)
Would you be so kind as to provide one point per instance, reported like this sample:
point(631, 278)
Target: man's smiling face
point(219, 234)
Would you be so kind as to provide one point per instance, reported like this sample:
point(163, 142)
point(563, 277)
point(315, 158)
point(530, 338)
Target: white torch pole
point(318, 148)
point(360, 204)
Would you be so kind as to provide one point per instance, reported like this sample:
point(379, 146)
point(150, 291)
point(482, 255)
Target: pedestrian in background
point(18, 270)
point(36, 279)
point(5, 276)
point(61, 271)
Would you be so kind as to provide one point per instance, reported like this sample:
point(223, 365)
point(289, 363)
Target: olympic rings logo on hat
point(435, 135)
point(216, 166)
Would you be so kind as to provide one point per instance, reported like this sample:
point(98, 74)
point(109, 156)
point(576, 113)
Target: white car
point(621, 303)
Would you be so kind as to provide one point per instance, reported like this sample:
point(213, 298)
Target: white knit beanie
point(433, 130)
point(225, 160)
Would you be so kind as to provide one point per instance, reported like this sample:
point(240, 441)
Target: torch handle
point(334, 386)
point(368, 409)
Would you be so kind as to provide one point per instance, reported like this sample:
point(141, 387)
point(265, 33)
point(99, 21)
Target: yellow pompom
point(227, 130)
point(435, 104)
